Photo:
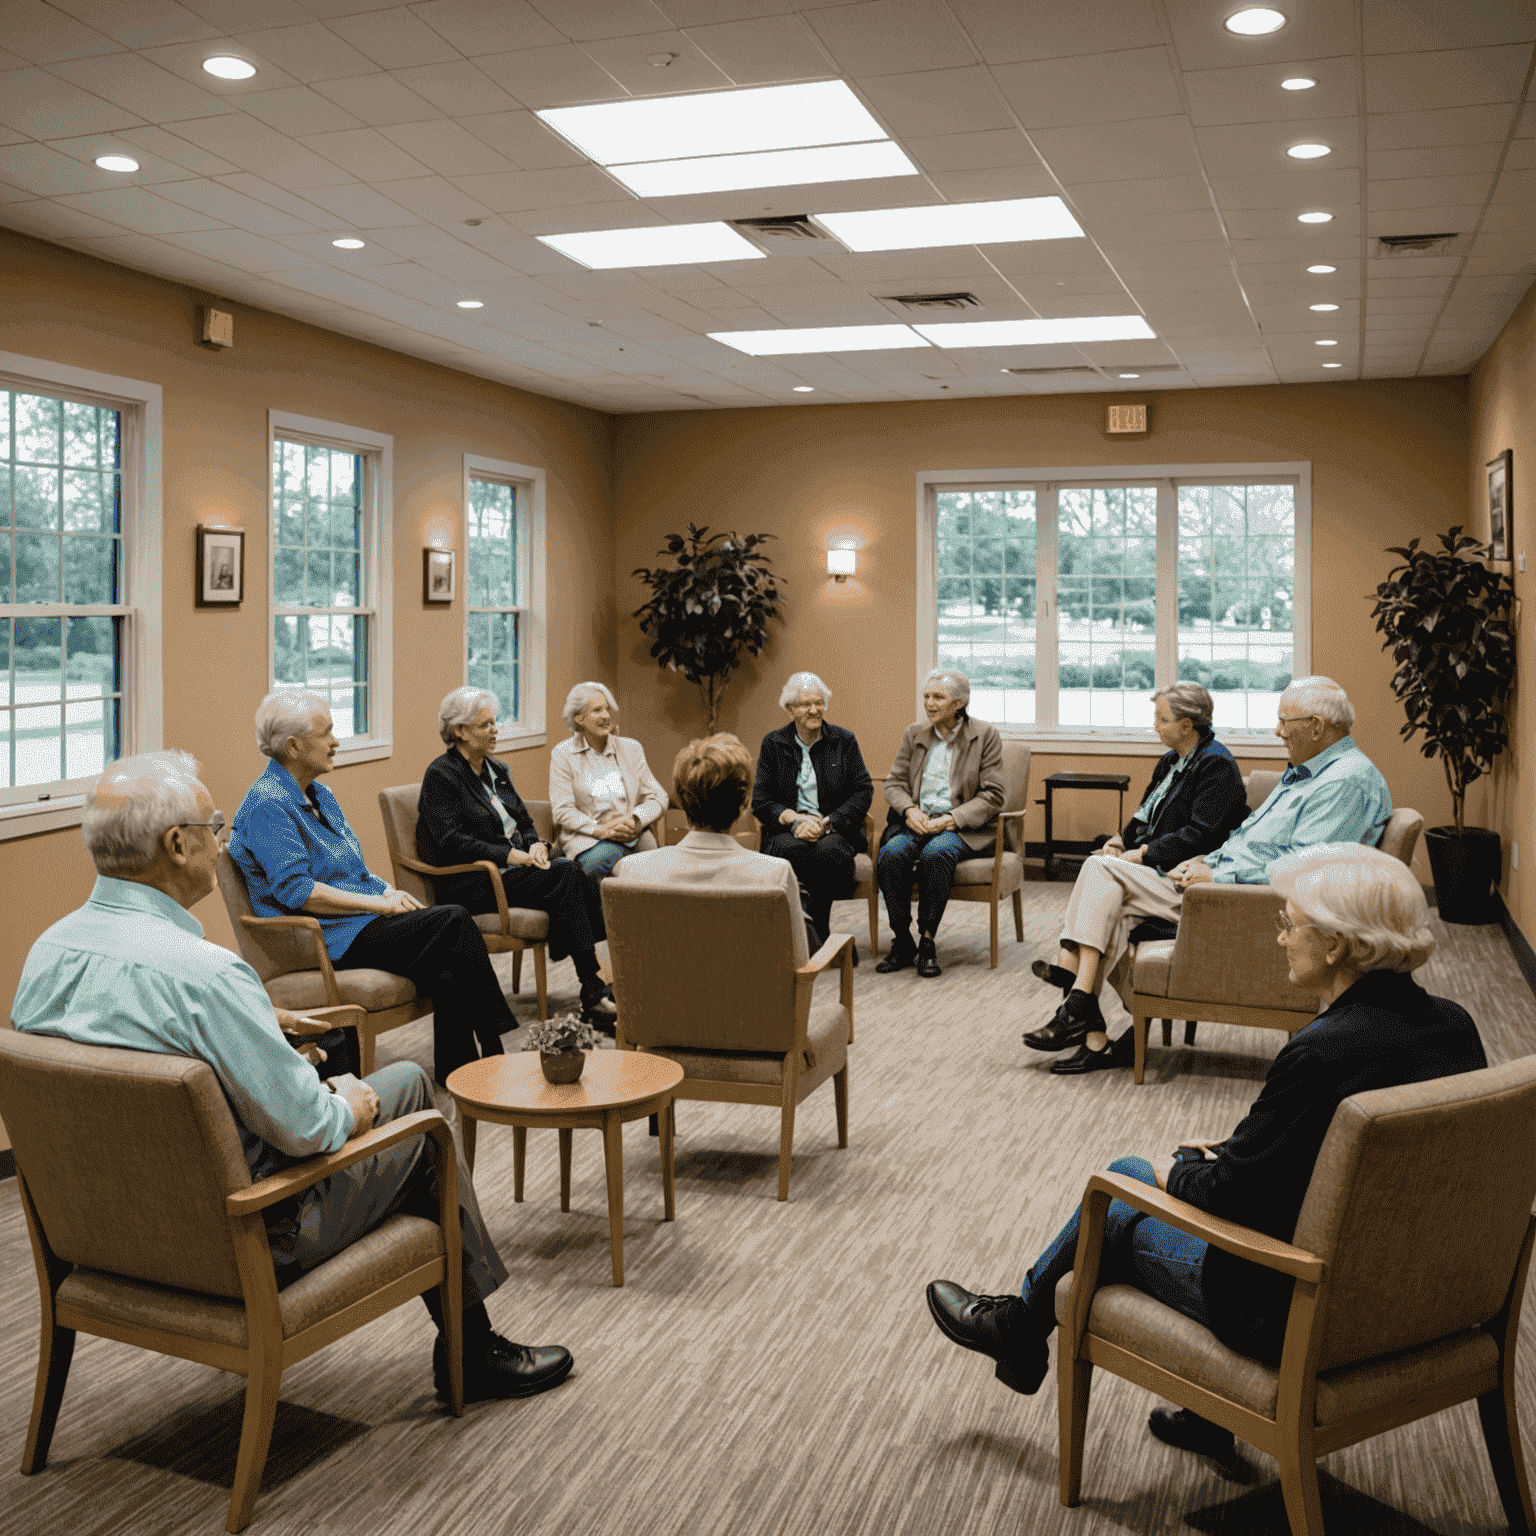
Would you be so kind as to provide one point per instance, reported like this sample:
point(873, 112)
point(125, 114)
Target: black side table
point(1054, 781)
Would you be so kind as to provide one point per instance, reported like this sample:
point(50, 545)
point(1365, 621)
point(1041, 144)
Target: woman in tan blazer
point(944, 790)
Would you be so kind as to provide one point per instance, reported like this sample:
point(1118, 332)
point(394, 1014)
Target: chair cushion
point(979, 872)
point(370, 989)
point(826, 1039)
point(1154, 964)
point(863, 867)
point(524, 922)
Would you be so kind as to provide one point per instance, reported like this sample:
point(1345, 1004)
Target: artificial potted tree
point(710, 607)
point(1446, 618)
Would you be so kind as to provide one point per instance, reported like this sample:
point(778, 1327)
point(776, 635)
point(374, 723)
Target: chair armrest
point(295, 1180)
point(838, 945)
point(310, 925)
point(493, 874)
point(332, 1016)
point(1000, 844)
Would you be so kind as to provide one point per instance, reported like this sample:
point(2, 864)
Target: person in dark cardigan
point(469, 810)
point(1355, 926)
point(811, 794)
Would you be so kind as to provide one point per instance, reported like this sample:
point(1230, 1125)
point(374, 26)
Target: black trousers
point(573, 902)
point(441, 950)
point(823, 868)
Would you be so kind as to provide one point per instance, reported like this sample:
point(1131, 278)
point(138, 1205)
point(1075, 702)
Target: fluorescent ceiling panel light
point(471, 303)
point(122, 164)
point(1255, 21)
point(1325, 343)
point(1314, 218)
point(1322, 308)
point(1130, 375)
point(1298, 83)
point(720, 122)
point(1309, 151)
point(767, 168)
point(662, 245)
point(909, 229)
point(822, 338)
point(226, 67)
point(348, 245)
point(1033, 333)
point(1333, 365)
point(1321, 268)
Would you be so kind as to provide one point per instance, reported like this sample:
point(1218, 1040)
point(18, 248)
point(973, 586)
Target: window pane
point(91, 502)
point(37, 497)
point(90, 570)
point(90, 667)
point(90, 436)
point(90, 737)
point(288, 576)
point(37, 568)
point(290, 643)
point(38, 424)
point(491, 555)
point(479, 650)
point(38, 757)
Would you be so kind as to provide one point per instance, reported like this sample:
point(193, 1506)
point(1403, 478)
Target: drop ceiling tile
point(1152, 229)
point(1412, 266)
point(971, 151)
point(405, 277)
point(1257, 149)
point(317, 250)
point(394, 38)
point(45, 172)
point(1516, 186)
point(1315, 29)
point(1137, 256)
point(627, 59)
point(1506, 287)
point(1004, 182)
point(297, 110)
point(138, 209)
point(476, 27)
point(377, 99)
point(10, 61)
point(445, 147)
point(357, 206)
point(140, 87)
point(1304, 247)
point(551, 77)
point(465, 267)
point(185, 61)
point(255, 147)
point(938, 101)
point(1298, 189)
point(1448, 77)
point(1097, 88)
point(37, 103)
point(885, 37)
point(588, 20)
point(1499, 266)
point(1060, 299)
point(1152, 146)
point(434, 199)
point(458, 90)
point(1156, 194)
point(1251, 93)
point(524, 140)
point(1415, 221)
point(310, 209)
point(10, 194)
point(1506, 216)
point(1440, 160)
point(763, 51)
point(53, 221)
point(231, 207)
point(43, 34)
point(1006, 31)
point(516, 191)
point(367, 154)
point(238, 248)
point(1431, 129)
point(1429, 191)
point(161, 146)
point(140, 23)
point(309, 52)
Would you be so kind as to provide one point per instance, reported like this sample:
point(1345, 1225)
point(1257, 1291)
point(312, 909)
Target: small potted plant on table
point(562, 1044)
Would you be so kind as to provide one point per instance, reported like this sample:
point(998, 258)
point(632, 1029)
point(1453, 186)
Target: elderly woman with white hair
point(1354, 927)
point(811, 794)
point(468, 811)
point(602, 793)
point(945, 790)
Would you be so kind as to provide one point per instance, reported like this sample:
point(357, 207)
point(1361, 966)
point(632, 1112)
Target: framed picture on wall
point(1500, 513)
point(437, 576)
point(220, 577)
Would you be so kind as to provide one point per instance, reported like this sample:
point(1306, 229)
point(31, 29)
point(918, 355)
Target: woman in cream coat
point(602, 794)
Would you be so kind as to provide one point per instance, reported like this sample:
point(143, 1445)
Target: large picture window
point(1066, 599)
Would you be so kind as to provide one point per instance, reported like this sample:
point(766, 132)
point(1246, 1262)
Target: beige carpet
point(768, 1368)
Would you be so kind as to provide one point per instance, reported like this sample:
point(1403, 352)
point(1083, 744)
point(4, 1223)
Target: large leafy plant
point(709, 608)
point(1446, 618)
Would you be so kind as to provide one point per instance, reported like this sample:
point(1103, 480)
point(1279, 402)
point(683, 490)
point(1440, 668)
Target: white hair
point(132, 806)
point(287, 712)
point(580, 697)
point(460, 707)
point(956, 684)
point(1187, 701)
point(1323, 697)
point(1364, 896)
point(801, 682)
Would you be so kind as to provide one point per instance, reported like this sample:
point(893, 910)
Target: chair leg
point(1167, 1033)
point(1074, 1378)
point(55, 1350)
point(1018, 916)
point(874, 922)
point(261, 1389)
point(1189, 1031)
point(517, 971)
point(540, 981)
point(840, 1097)
point(1298, 1483)
point(1139, 1030)
point(992, 907)
point(451, 1300)
point(1501, 1434)
point(786, 1135)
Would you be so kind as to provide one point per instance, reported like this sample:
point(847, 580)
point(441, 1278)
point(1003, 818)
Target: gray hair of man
point(1323, 697)
point(956, 684)
point(1188, 701)
point(580, 697)
point(132, 806)
point(1363, 896)
point(804, 682)
point(460, 707)
point(287, 712)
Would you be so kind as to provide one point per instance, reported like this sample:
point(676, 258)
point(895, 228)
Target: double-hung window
point(504, 592)
point(1067, 595)
point(330, 574)
point(79, 602)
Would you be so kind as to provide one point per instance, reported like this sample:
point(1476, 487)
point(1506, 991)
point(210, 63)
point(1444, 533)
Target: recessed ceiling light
point(1314, 218)
point(226, 67)
point(907, 229)
point(471, 303)
point(1325, 343)
point(660, 245)
point(1255, 21)
point(1030, 333)
point(1321, 268)
point(767, 168)
point(805, 389)
point(1309, 151)
point(822, 338)
point(348, 245)
point(1322, 307)
point(1333, 365)
point(1298, 83)
point(1130, 375)
point(122, 164)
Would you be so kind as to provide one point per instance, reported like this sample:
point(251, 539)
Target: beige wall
point(1503, 385)
point(1388, 461)
point(70, 308)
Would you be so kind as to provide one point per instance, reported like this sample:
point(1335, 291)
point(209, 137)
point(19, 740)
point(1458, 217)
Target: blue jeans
point(1138, 1250)
point(597, 861)
point(933, 860)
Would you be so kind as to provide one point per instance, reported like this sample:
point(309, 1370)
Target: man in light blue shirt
point(132, 969)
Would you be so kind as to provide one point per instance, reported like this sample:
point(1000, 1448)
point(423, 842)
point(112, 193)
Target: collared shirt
point(287, 842)
point(1148, 808)
point(1339, 796)
point(935, 796)
point(807, 796)
point(131, 968)
point(488, 784)
point(604, 780)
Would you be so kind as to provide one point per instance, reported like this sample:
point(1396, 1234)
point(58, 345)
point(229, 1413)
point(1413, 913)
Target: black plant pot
point(1465, 869)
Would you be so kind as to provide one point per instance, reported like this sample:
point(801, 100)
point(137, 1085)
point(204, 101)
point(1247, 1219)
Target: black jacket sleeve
point(1199, 813)
point(845, 799)
point(454, 822)
point(771, 796)
point(1135, 831)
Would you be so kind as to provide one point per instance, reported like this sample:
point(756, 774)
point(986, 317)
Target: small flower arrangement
point(566, 1035)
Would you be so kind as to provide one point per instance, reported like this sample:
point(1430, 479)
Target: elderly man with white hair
point(945, 790)
point(1330, 793)
point(132, 969)
point(298, 854)
point(1355, 925)
point(811, 793)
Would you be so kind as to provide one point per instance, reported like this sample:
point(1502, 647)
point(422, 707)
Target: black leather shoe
point(927, 960)
point(897, 958)
point(1190, 1432)
point(1054, 975)
point(504, 1370)
point(1117, 1053)
point(1070, 1025)
point(990, 1326)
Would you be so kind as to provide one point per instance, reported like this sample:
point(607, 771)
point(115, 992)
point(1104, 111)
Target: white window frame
point(378, 567)
point(528, 482)
point(1126, 741)
point(62, 804)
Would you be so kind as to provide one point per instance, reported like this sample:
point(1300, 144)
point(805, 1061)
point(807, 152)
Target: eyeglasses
point(1281, 721)
point(1285, 927)
point(808, 704)
point(217, 823)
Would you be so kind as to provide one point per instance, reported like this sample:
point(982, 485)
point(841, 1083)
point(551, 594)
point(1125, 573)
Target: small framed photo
point(1501, 479)
point(437, 575)
point(220, 580)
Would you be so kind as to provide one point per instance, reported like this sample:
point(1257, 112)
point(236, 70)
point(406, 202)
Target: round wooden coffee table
point(614, 1088)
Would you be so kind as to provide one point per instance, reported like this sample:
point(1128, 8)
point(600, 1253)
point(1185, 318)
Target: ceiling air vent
point(1040, 372)
point(928, 303)
point(781, 227)
point(1413, 245)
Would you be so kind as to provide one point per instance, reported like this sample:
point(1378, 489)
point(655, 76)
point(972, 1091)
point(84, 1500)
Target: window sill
point(1049, 740)
point(35, 816)
point(520, 740)
point(365, 752)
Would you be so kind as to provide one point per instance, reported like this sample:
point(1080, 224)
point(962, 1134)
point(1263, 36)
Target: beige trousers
point(1109, 898)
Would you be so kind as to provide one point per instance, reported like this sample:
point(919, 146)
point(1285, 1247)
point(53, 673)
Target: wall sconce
point(842, 563)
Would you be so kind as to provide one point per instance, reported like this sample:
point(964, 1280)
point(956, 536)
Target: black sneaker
point(504, 1370)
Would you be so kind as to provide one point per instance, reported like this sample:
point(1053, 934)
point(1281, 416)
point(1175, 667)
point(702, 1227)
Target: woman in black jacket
point(468, 810)
point(811, 794)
